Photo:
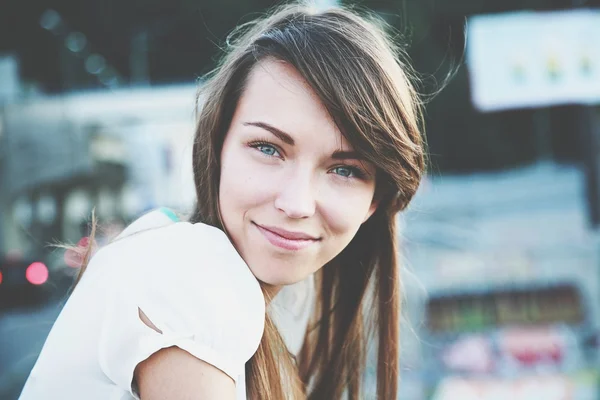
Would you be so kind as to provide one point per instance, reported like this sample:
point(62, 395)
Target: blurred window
point(466, 312)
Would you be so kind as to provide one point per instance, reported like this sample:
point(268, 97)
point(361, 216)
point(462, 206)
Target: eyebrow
point(281, 135)
point(346, 155)
point(287, 138)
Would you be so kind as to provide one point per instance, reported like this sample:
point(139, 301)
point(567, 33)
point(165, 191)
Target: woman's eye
point(345, 172)
point(267, 150)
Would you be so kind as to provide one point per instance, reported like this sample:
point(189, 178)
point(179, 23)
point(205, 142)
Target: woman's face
point(292, 193)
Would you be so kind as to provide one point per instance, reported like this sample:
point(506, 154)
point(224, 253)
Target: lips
point(285, 239)
point(289, 234)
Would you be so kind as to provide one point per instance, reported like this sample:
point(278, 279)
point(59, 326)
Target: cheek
point(344, 213)
point(242, 183)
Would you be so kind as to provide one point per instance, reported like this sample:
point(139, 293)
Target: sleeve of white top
point(193, 286)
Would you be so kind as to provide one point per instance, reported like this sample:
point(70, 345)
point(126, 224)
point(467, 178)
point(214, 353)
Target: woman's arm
point(173, 373)
point(197, 292)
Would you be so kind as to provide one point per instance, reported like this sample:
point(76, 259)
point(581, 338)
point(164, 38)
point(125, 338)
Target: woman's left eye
point(346, 172)
point(267, 150)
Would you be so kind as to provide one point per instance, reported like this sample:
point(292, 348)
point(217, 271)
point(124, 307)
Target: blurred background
point(500, 246)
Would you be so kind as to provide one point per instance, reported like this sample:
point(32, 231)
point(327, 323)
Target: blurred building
point(501, 258)
point(121, 152)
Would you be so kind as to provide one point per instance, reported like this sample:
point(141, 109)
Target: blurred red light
point(73, 258)
point(0, 277)
point(37, 273)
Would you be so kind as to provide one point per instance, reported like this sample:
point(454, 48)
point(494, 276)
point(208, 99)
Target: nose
point(296, 196)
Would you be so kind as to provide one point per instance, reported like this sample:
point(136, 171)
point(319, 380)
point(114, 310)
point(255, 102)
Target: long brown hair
point(357, 72)
point(355, 69)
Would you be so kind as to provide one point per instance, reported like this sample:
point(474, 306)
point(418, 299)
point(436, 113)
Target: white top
point(189, 281)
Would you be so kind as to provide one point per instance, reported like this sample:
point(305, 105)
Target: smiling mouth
point(286, 240)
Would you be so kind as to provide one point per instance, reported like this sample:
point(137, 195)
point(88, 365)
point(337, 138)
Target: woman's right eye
point(267, 150)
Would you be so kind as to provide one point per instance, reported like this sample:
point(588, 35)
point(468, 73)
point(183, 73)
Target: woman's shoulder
point(167, 222)
point(161, 234)
point(177, 259)
point(190, 282)
point(153, 219)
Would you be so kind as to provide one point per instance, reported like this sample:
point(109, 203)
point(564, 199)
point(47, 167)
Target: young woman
point(307, 147)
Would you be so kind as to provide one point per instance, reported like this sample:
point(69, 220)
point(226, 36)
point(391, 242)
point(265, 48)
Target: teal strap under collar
point(169, 213)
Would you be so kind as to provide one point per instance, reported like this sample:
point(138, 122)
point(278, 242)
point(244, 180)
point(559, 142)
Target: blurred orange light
point(37, 273)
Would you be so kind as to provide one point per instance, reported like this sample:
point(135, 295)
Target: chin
point(280, 274)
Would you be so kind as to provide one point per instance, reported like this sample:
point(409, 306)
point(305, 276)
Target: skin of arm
point(174, 374)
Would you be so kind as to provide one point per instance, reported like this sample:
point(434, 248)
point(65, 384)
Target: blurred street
point(23, 331)
point(500, 248)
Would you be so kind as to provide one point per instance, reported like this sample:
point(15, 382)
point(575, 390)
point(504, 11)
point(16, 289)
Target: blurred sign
point(581, 385)
point(531, 346)
point(470, 353)
point(492, 309)
point(550, 387)
point(532, 59)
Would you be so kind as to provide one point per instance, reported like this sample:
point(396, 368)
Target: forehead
point(276, 93)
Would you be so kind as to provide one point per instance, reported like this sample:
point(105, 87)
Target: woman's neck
point(269, 291)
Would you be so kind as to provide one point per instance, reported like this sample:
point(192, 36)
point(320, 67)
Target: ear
point(372, 209)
